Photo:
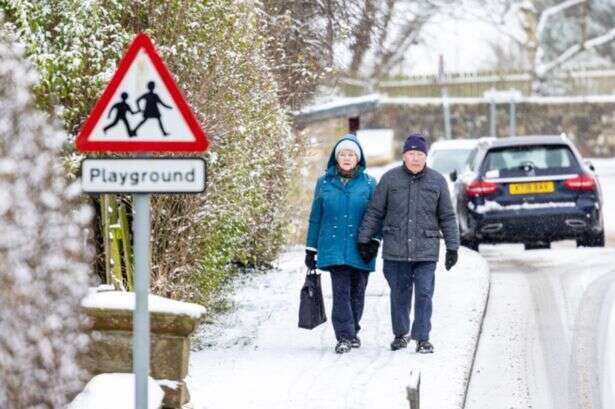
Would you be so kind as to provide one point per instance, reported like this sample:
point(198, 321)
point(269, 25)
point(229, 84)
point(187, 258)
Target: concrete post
point(414, 389)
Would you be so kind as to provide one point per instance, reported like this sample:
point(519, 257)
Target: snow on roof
point(121, 300)
point(115, 390)
point(349, 106)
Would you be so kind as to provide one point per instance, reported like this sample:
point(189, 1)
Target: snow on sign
point(141, 110)
point(156, 175)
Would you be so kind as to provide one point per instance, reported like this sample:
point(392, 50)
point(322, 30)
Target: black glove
point(368, 251)
point(451, 259)
point(310, 259)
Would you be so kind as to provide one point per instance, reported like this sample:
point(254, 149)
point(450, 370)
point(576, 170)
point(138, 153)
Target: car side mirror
point(590, 165)
point(453, 175)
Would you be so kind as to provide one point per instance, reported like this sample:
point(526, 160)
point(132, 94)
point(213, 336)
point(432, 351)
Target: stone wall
point(111, 348)
point(590, 125)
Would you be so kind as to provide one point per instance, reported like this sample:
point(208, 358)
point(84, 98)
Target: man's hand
point(368, 251)
point(310, 259)
point(451, 259)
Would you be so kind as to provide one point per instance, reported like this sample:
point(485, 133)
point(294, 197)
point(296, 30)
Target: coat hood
point(331, 165)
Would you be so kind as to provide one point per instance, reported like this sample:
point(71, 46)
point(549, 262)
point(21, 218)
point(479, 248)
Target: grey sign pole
point(492, 118)
point(513, 118)
point(447, 114)
point(141, 329)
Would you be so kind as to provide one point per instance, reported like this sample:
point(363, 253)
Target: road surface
point(545, 332)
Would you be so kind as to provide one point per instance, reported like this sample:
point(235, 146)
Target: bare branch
point(549, 12)
point(576, 49)
point(362, 35)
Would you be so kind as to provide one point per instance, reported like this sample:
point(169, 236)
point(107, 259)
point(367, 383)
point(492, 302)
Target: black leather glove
point(310, 259)
point(368, 251)
point(451, 259)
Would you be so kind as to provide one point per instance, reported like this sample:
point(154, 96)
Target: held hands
point(368, 251)
point(310, 259)
point(451, 259)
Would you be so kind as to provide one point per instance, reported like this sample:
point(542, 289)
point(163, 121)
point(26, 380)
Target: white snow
point(606, 173)
point(256, 357)
point(605, 168)
point(608, 370)
point(491, 206)
point(115, 390)
point(168, 383)
point(122, 300)
point(382, 100)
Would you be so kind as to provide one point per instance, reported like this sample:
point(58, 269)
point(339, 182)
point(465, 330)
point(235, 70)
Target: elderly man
point(412, 205)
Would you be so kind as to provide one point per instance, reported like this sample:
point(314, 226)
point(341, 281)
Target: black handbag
point(311, 306)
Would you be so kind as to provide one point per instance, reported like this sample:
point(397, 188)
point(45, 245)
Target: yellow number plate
point(529, 188)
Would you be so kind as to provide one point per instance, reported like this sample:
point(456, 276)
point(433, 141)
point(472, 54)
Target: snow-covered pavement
point(549, 333)
point(256, 357)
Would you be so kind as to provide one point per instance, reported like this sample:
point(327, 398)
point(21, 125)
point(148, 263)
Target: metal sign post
point(160, 121)
point(140, 322)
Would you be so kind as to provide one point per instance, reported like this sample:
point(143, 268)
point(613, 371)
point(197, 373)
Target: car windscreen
point(447, 160)
point(534, 160)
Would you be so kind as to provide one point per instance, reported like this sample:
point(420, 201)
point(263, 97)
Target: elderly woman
point(340, 200)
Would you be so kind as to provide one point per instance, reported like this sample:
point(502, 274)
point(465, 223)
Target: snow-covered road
point(549, 331)
point(256, 357)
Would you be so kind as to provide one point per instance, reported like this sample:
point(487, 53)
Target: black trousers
point(348, 284)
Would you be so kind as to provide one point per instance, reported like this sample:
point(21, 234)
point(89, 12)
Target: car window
point(447, 160)
point(470, 163)
point(523, 160)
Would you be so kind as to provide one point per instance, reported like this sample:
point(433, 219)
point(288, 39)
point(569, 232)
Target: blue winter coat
point(337, 212)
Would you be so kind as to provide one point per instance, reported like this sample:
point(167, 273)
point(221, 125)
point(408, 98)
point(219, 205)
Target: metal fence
point(579, 82)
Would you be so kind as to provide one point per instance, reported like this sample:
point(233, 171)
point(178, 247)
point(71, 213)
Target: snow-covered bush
point(217, 53)
point(44, 265)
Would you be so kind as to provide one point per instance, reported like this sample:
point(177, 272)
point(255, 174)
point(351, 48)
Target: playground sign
point(142, 109)
point(156, 175)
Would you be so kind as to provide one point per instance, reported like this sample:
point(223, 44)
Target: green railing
point(115, 227)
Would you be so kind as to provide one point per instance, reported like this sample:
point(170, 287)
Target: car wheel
point(592, 240)
point(537, 245)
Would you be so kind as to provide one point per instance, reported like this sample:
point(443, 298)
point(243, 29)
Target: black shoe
point(424, 347)
point(355, 342)
point(399, 343)
point(342, 347)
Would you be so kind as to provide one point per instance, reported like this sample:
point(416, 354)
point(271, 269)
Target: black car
point(531, 190)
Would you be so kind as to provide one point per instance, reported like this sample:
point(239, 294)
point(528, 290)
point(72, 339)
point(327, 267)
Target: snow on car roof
point(530, 140)
point(454, 144)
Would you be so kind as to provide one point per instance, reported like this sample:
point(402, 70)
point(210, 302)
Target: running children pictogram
point(141, 110)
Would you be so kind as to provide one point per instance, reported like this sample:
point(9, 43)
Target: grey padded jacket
point(414, 211)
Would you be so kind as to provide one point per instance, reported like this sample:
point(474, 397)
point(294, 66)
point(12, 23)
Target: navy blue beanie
point(415, 142)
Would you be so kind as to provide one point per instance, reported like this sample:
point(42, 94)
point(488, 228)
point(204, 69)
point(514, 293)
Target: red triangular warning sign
point(141, 110)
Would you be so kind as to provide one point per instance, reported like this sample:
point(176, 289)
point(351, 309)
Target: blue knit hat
point(415, 142)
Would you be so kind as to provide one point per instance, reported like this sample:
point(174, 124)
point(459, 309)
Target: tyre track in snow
point(564, 292)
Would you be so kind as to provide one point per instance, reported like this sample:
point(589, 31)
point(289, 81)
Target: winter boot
point(342, 346)
point(399, 343)
point(424, 347)
point(355, 342)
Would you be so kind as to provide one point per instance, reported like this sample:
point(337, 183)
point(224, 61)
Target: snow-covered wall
point(590, 121)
